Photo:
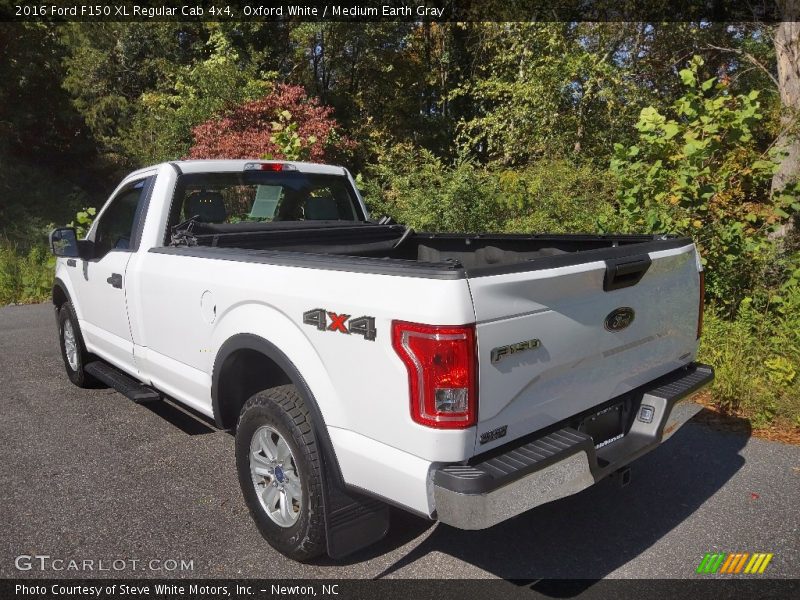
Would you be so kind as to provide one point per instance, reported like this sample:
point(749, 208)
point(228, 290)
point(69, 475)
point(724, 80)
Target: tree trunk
point(787, 54)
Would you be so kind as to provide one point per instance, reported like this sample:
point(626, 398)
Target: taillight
point(441, 372)
point(702, 304)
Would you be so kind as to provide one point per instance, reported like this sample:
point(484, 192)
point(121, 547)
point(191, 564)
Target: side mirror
point(64, 242)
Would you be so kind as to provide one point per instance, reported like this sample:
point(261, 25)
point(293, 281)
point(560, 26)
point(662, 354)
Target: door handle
point(115, 280)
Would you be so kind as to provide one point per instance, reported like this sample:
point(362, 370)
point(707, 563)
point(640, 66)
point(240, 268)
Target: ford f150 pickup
point(464, 378)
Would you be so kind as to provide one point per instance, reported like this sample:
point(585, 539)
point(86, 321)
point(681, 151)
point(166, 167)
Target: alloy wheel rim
point(275, 476)
point(70, 345)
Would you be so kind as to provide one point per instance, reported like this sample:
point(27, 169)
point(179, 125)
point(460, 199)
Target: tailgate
point(553, 342)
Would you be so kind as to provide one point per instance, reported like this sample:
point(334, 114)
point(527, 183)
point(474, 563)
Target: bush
point(32, 198)
point(757, 359)
point(25, 277)
point(285, 124)
point(558, 196)
point(699, 170)
point(418, 189)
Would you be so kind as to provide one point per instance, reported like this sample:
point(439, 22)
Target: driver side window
point(119, 222)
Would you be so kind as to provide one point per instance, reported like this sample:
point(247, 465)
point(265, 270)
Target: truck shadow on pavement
point(593, 533)
point(181, 417)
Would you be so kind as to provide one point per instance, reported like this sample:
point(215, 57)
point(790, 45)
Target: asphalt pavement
point(89, 475)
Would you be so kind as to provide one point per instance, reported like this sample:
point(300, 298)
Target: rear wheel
point(280, 472)
point(73, 351)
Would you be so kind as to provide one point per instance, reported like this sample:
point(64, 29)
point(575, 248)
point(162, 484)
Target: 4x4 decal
point(318, 318)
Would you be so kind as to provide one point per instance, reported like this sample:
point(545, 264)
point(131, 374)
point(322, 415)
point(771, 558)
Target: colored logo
point(734, 563)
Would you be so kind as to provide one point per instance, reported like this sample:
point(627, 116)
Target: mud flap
point(352, 521)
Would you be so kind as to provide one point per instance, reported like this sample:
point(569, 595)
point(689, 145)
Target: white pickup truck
point(464, 378)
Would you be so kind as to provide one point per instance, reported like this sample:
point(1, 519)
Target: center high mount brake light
point(269, 166)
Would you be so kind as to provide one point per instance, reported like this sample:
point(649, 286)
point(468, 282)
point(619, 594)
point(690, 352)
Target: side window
point(117, 226)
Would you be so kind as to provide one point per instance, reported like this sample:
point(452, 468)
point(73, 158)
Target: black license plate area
point(604, 426)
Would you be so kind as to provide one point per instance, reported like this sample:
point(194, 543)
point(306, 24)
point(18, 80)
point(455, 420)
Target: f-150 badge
point(326, 320)
point(501, 352)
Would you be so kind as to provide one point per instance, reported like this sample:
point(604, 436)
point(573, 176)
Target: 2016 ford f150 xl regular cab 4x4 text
point(465, 378)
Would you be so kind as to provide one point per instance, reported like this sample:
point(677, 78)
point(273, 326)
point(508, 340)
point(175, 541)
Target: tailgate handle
point(625, 272)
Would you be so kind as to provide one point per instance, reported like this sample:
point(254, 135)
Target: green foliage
point(556, 196)
point(28, 276)
point(25, 277)
point(286, 137)
point(418, 189)
point(550, 89)
point(698, 170)
point(757, 360)
point(162, 124)
point(36, 197)
point(83, 221)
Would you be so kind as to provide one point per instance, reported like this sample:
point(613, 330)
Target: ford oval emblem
point(619, 318)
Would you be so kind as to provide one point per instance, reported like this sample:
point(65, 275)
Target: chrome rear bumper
point(531, 472)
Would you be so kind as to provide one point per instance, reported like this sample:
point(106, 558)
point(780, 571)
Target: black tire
point(282, 408)
point(76, 375)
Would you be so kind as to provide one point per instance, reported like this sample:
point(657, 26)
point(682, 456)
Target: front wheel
point(73, 350)
point(280, 472)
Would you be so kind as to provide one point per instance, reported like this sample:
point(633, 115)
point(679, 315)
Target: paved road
point(87, 474)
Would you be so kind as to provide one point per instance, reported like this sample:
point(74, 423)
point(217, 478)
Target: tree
point(42, 137)
point(550, 89)
point(161, 128)
point(284, 124)
point(111, 66)
point(697, 169)
point(389, 81)
point(787, 53)
point(37, 120)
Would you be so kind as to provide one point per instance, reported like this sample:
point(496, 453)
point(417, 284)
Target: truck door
point(100, 280)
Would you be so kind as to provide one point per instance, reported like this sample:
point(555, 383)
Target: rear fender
point(359, 520)
point(279, 338)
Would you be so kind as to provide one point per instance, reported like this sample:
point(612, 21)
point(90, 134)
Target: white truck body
point(178, 306)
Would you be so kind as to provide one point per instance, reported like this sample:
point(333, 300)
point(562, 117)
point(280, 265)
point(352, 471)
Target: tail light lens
point(441, 372)
point(702, 304)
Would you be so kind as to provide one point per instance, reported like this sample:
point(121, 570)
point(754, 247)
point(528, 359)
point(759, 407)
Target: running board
point(124, 384)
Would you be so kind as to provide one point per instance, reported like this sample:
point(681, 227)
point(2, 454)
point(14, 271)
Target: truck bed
point(396, 250)
point(559, 294)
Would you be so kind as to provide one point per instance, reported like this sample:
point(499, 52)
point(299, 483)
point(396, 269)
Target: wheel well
point(242, 374)
point(59, 296)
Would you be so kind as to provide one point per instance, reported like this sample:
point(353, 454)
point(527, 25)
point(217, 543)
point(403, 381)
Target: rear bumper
point(530, 472)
